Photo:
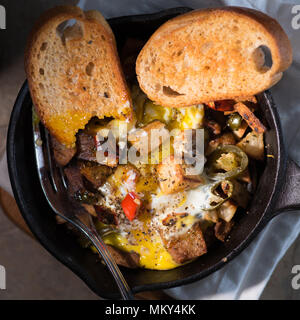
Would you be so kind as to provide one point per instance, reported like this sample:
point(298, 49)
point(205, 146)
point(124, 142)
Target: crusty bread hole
point(179, 53)
point(43, 46)
point(262, 57)
point(89, 69)
point(168, 91)
point(235, 28)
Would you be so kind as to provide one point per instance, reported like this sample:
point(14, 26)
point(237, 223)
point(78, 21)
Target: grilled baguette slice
point(74, 73)
point(212, 54)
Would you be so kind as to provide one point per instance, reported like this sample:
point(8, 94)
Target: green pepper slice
point(214, 173)
point(219, 192)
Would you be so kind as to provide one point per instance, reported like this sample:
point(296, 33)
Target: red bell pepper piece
point(131, 205)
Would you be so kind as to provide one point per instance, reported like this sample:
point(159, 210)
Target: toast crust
point(76, 74)
point(212, 54)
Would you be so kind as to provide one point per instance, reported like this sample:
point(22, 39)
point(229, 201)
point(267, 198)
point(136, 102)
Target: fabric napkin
point(246, 276)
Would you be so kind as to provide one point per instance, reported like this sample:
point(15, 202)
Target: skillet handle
point(289, 196)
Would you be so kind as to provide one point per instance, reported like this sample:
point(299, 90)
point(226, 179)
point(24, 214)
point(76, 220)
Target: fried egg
point(142, 234)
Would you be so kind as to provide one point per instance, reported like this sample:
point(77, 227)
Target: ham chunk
point(62, 154)
point(86, 147)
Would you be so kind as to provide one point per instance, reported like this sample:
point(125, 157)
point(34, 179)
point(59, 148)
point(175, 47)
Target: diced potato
point(239, 133)
point(158, 155)
point(171, 177)
point(227, 210)
point(211, 215)
point(253, 145)
point(186, 246)
point(95, 125)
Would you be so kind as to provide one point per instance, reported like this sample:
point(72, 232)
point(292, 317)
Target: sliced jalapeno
point(215, 173)
point(219, 192)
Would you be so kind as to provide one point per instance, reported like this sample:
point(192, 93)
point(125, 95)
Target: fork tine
point(49, 157)
point(54, 173)
point(62, 175)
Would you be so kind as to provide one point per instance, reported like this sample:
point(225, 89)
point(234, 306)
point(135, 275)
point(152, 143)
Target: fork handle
point(99, 244)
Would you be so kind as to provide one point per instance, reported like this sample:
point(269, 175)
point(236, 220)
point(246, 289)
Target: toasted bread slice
point(212, 54)
point(75, 73)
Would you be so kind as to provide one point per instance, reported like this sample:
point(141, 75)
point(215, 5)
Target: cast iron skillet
point(277, 191)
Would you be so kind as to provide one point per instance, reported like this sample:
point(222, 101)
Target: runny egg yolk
point(147, 243)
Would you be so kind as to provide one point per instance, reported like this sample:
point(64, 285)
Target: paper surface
point(246, 276)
